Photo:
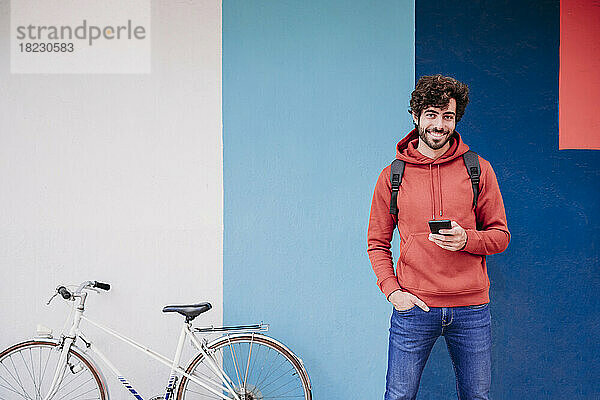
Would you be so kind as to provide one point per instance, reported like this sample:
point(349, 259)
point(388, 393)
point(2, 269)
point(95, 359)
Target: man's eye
point(449, 117)
point(430, 115)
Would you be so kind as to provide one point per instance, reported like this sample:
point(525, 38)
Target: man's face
point(436, 125)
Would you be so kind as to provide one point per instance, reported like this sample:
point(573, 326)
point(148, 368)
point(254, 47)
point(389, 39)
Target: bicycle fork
point(60, 368)
point(68, 340)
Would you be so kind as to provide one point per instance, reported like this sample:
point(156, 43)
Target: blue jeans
point(467, 331)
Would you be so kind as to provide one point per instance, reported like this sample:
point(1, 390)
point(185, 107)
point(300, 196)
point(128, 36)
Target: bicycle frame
point(215, 387)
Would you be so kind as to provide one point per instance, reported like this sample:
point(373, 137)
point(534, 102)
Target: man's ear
point(415, 119)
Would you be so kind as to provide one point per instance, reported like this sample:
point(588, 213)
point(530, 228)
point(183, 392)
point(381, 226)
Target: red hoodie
point(439, 189)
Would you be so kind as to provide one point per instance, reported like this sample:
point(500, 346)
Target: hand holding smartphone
point(437, 224)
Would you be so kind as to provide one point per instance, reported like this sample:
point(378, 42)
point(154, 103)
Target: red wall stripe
point(579, 81)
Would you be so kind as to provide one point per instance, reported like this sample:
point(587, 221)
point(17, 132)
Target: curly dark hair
point(436, 91)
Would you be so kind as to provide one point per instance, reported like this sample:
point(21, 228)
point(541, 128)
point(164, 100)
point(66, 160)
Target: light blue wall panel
point(314, 99)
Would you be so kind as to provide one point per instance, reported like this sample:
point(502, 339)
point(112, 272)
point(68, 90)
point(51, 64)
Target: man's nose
point(437, 123)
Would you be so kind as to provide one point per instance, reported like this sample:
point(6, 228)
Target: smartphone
point(438, 224)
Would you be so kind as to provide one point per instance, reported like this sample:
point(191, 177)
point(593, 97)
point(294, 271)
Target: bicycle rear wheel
point(27, 370)
point(257, 365)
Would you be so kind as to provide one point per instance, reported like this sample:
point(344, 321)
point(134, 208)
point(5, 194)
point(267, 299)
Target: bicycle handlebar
point(69, 295)
point(77, 293)
point(64, 292)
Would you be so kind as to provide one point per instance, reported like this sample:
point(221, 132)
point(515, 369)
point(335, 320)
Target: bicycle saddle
point(190, 311)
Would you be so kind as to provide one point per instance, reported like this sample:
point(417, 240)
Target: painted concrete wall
point(314, 99)
point(544, 287)
point(116, 178)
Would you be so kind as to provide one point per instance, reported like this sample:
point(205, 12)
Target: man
point(441, 286)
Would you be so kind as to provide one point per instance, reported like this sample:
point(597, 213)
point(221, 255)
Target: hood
point(406, 149)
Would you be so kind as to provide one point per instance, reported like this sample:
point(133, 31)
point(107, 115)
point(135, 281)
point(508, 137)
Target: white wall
point(116, 178)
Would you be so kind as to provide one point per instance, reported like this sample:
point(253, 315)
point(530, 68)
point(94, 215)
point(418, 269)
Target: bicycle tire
point(27, 370)
point(280, 374)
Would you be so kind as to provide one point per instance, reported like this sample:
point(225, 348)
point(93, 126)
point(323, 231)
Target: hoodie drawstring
point(433, 191)
point(440, 189)
point(432, 194)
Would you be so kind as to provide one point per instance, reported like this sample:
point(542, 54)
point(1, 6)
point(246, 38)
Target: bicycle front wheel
point(27, 370)
point(257, 366)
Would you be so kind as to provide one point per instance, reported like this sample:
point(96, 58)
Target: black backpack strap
point(396, 173)
point(471, 160)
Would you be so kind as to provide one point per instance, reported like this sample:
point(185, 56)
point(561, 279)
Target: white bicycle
point(241, 364)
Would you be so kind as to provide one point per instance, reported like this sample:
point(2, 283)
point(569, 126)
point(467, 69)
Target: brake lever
point(52, 298)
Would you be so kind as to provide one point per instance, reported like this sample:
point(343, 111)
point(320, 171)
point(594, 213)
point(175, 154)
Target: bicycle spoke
point(63, 396)
point(262, 368)
point(15, 391)
point(263, 371)
point(281, 386)
point(39, 361)
point(9, 387)
point(214, 385)
point(30, 374)
point(254, 359)
point(8, 383)
point(271, 369)
point(40, 368)
point(47, 360)
point(18, 379)
point(237, 373)
point(210, 396)
point(269, 378)
point(79, 387)
point(248, 363)
point(220, 364)
point(32, 369)
point(209, 380)
point(35, 385)
point(65, 384)
point(278, 378)
point(210, 377)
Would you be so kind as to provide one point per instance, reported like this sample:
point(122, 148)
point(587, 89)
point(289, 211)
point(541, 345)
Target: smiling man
point(440, 286)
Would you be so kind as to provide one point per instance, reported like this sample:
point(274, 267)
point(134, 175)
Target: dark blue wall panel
point(545, 286)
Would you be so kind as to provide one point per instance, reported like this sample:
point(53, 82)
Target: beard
point(433, 143)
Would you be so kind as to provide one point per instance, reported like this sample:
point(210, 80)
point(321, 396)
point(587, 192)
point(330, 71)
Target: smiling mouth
point(437, 135)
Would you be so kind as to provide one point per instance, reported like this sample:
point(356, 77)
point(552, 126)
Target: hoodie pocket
point(426, 267)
